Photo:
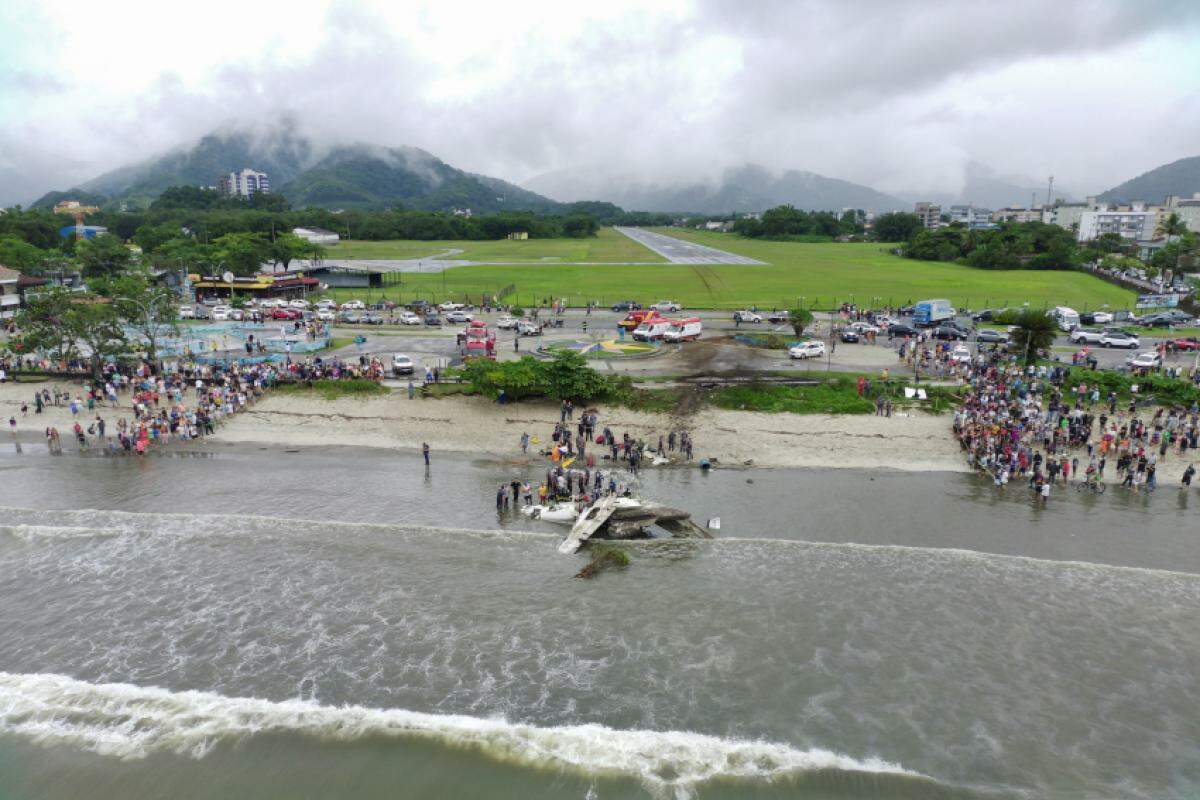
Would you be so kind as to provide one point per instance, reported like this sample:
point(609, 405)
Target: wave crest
point(130, 722)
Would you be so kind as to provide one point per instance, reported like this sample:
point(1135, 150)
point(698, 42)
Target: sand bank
point(474, 425)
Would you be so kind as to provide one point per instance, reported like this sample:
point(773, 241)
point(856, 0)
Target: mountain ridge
point(1180, 177)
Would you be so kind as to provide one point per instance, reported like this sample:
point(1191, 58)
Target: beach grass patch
point(328, 389)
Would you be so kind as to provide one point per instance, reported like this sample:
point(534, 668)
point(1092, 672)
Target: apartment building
point(10, 296)
point(930, 214)
point(244, 183)
point(1136, 222)
point(973, 218)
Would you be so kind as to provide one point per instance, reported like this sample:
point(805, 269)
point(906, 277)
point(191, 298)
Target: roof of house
point(7, 274)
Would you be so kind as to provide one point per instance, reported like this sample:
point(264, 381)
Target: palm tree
point(1033, 332)
point(1170, 225)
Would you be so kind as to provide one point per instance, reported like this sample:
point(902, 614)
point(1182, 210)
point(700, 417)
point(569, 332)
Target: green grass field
point(607, 246)
point(819, 275)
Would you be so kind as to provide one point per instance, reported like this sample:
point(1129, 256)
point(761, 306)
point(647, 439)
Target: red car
point(1190, 343)
point(285, 313)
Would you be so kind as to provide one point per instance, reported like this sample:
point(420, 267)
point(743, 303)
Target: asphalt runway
point(677, 251)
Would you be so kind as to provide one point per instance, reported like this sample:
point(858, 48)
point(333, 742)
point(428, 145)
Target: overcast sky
point(895, 94)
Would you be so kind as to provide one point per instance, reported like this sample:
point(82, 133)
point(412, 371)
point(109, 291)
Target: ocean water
point(254, 623)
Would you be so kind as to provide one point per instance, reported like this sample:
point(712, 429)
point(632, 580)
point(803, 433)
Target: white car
point(221, 312)
point(326, 315)
point(1102, 318)
point(458, 316)
point(409, 318)
point(1119, 339)
point(863, 327)
point(527, 328)
point(402, 365)
point(506, 322)
point(450, 306)
point(187, 312)
point(813, 348)
point(271, 302)
point(354, 305)
point(237, 315)
point(747, 316)
point(299, 305)
point(1079, 336)
point(1147, 360)
point(667, 306)
point(325, 302)
point(961, 355)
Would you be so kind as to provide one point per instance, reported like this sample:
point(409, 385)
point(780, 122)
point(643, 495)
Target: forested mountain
point(1180, 178)
point(746, 188)
point(348, 176)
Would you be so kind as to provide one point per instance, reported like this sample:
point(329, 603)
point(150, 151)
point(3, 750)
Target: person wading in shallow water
point(425, 452)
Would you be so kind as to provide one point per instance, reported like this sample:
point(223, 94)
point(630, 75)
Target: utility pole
point(1050, 193)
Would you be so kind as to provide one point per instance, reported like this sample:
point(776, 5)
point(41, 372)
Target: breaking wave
point(33, 533)
point(131, 722)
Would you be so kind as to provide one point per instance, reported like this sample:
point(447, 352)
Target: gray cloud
point(895, 94)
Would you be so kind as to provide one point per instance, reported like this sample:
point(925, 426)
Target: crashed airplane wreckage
point(624, 518)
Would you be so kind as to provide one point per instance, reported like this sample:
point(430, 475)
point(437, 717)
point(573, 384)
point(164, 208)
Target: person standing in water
point(425, 452)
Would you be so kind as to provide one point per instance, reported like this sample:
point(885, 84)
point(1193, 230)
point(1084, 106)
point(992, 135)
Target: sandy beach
point(473, 425)
point(913, 442)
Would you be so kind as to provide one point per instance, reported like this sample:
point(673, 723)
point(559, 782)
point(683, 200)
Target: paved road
point(677, 251)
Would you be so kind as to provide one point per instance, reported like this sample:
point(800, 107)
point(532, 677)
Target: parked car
point(950, 333)
point(202, 312)
point(747, 316)
point(1085, 336)
point(527, 328)
point(418, 305)
point(813, 348)
point(506, 322)
point(1097, 318)
point(450, 306)
point(326, 302)
point(354, 305)
point(863, 327)
point(402, 365)
point(409, 318)
point(211, 301)
point(299, 304)
point(237, 315)
point(187, 312)
point(627, 305)
point(778, 317)
point(372, 318)
point(988, 314)
point(900, 329)
point(221, 312)
point(1111, 338)
point(326, 315)
point(1157, 321)
point(432, 319)
point(1181, 344)
point(350, 317)
point(991, 336)
point(1147, 360)
point(458, 316)
point(850, 336)
point(961, 354)
point(667, 306)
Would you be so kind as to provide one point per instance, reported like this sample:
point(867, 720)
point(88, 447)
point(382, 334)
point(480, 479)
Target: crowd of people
point(1036, 424)
point(575, 449)
point(180, 402)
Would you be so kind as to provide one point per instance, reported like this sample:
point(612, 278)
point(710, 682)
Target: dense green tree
point(288, 247)
point(242, 253)
point(1033, 333)
point(103, 255)
point(18, 254)
point(44, 324)
point(896, 226)
point(144, 305)
point(799, 319)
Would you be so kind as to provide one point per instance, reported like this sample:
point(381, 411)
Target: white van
point(683, 330)
point(651, 330)
point(1067, 318)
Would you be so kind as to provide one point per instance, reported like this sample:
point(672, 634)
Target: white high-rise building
point(245, 183)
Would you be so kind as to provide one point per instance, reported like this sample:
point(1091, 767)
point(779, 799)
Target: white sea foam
point(125, 721)
point(33, 533)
